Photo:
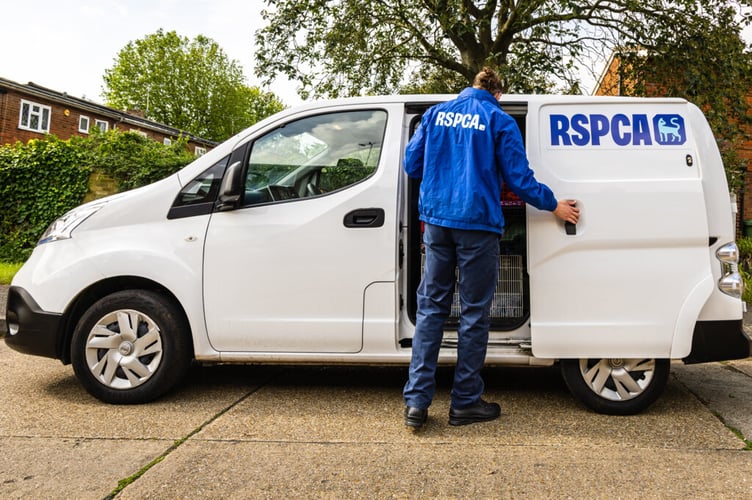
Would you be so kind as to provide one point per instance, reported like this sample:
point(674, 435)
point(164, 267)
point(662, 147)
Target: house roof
point(116, 115)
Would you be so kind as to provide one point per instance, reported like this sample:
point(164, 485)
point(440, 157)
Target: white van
point(298, 241)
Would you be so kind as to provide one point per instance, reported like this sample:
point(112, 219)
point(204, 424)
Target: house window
point(139, 132)
point(167, 141)
point(34, 117)
point(83, 124)
point(102, 125)
point(199, 151)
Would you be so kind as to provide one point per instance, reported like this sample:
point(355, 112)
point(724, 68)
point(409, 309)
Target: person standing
point(463, 151)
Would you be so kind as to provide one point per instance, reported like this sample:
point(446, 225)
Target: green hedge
point(745, 266)
point(131, 159)
point(44, 178)
point(39, 181)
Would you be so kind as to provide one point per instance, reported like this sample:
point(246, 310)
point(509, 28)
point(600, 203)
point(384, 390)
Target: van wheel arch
point(87, 297)
point(616, 386)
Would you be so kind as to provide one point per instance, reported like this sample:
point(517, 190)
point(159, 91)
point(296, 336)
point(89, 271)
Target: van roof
point(506, 98)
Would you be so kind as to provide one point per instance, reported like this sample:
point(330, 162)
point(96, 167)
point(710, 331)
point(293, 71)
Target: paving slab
point(441, 470)
point(310, 404)
point(82, 468)
point(338, 433)
point(725, 388)
point(742, 365)
point(53, 433)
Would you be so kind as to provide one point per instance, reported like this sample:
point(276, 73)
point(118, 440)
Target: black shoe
point(415, 417)
point(481, 411)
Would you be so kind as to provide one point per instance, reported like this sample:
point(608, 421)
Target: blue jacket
point(463, 150)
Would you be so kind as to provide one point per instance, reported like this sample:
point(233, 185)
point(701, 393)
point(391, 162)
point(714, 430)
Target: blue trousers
point(476, 255)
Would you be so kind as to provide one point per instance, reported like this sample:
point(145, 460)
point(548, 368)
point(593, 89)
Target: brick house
point(611, 83)
point(28, 111)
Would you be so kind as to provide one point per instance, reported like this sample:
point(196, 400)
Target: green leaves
point(131, 159)
point(188, 84)
point(354, 47)
point(39, 181)
point(43, 179)
point(705, 62)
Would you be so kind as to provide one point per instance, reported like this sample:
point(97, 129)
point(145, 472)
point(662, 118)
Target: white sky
point(66, 46)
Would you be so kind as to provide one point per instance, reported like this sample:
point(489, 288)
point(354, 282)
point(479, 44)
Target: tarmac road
point(313, 432)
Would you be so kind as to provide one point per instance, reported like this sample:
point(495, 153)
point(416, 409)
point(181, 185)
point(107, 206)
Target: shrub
point(131, 159)
point(43, 179)
point(745, 266)
point(39, 181)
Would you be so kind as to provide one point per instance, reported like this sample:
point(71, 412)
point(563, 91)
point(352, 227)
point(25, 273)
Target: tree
point(709, 66)
point(349, 47)
point(188, 84)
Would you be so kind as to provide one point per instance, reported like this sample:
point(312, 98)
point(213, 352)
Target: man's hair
point(488, 80)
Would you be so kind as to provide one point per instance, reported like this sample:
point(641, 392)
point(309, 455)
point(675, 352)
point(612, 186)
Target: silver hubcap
point(124, 349)
point(617, 379)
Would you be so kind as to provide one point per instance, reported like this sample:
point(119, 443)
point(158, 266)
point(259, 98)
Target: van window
point(198, 196)
point(314, 156)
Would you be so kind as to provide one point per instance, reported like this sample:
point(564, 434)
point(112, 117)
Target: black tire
point(122, 365)
point(616, 386)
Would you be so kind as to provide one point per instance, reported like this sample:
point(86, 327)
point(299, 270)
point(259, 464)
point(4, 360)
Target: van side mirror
point(230, 191)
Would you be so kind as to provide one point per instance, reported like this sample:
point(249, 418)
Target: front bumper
point(31, 330)
point(719, 341)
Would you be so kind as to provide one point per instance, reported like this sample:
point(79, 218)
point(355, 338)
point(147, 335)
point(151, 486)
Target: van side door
point(635, 271)
point(289, 269)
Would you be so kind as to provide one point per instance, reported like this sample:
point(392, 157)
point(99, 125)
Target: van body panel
point(618, 287)
point(292, 276)
point(721, 212)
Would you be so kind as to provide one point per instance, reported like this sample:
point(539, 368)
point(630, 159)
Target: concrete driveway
point(271, 432)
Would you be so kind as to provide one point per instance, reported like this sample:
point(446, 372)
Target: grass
point(7, 271)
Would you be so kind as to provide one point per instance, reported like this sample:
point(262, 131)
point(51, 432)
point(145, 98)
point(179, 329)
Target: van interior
point(510, 308)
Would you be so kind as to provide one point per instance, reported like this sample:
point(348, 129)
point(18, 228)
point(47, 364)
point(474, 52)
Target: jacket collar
point(478, 94)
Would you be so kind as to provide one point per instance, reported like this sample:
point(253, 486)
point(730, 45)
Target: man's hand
point(567, 211)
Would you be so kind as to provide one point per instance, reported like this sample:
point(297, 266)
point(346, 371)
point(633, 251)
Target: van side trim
point(718, 341)
point(688, 314)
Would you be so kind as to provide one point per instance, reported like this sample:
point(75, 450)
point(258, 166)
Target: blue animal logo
point(669, 129)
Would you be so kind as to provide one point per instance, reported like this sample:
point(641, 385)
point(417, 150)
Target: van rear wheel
point(616, 386)
point(131, 347)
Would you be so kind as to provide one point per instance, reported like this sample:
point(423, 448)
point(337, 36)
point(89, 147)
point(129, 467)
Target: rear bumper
point(718, 341)
point(30, 330)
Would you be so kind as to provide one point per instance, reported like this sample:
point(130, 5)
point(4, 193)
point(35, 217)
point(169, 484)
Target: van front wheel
point(131, 347)
point(616, 386)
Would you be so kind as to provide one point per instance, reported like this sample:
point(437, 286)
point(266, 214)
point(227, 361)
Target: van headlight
point(62, 228)
point(731, 282)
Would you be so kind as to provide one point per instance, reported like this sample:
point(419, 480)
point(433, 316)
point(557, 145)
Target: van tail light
point(731, 281)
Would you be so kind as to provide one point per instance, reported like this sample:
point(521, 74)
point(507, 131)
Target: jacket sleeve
point(515, 169)
point(414, 153)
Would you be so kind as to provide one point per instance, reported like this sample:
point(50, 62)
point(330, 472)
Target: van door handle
point(570, 228)
point(365, 217)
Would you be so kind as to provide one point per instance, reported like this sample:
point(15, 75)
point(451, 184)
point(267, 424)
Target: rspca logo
point(464, 120)
point(619, 130)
